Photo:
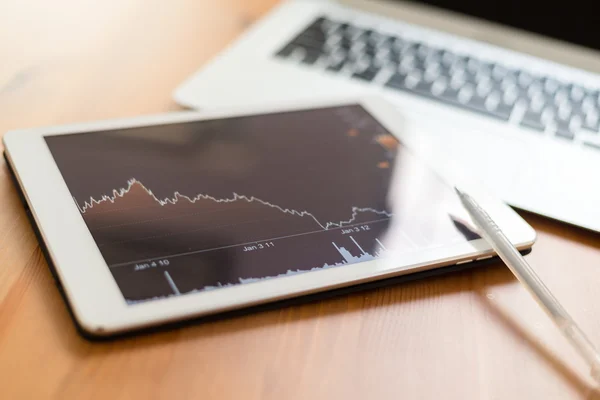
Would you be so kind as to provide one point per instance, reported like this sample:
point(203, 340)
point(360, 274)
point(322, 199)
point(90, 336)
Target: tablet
point(159, 219)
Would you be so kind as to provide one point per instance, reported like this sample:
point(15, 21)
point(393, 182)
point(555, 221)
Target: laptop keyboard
point(564, 110)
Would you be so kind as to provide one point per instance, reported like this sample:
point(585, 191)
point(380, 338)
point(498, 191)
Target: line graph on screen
point(133, 225)
point(120, 193)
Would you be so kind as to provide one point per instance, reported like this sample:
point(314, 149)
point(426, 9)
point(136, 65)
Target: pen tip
point(458, 191)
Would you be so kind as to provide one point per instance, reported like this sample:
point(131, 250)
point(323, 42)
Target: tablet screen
point(186, 207)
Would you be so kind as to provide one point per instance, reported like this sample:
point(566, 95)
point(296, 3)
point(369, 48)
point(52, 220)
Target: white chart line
point(171, 283)
point(358, 245)
point(117, 193)
point(381, 244)
point(410, 241)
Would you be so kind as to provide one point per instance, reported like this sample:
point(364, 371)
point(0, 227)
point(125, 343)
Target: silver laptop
point(505, 90)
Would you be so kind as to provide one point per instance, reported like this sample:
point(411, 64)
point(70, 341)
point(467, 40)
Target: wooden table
point(470, 335)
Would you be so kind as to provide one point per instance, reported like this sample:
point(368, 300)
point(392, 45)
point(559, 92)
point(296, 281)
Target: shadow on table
point(521, 334)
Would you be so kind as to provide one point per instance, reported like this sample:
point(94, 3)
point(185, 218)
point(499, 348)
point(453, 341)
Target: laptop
point(514, 84)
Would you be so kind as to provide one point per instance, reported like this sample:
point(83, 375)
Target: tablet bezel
point(97, 302)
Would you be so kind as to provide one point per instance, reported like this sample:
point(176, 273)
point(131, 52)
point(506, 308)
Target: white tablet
point(160, 219)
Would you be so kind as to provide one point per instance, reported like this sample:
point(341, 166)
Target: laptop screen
point(574, 21)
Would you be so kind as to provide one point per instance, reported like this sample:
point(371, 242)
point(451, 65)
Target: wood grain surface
point(470, 335)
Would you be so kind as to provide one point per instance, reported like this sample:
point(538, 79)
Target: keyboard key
point(409, 46)
point(563, 130)
point(301, 54)
point(474, 65)
point(450, 95)
point(354, 32)
point(439, 86)
point(499, 73)
point(433, 57)
point(319, 24)
point(524, 79)
point(397, 80)
point(503, 111)
point(492, 101)
point(374, 38)
point(460, 63)
point(410, 83)
point(370, 50)
point(311, 56)
point(368, 74)
point(317, 30)
point(397, 43)
point(310, 42)
point(357, 48)
point(382, 53)
point(387, 42)
point(535, 89)
point(484, 70)
point(533, 120)
point(479, 103)
point(588, 104)
point(538, 102)
point(565, 134)
point(511, 95)
point(551, 85)
point(361, 36)
point(447, 58)
point(591, 122)
point(561, 96)
point(432, 73)
point(465, 94)
point(335, 65)
point(576, 93)
point(337, 41)
point(286, 50)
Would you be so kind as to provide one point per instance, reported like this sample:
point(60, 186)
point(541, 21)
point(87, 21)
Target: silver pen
point(527, 276)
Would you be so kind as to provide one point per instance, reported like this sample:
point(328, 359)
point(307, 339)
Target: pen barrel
point(584, 346)
point(527, 276)
point(517, 264)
